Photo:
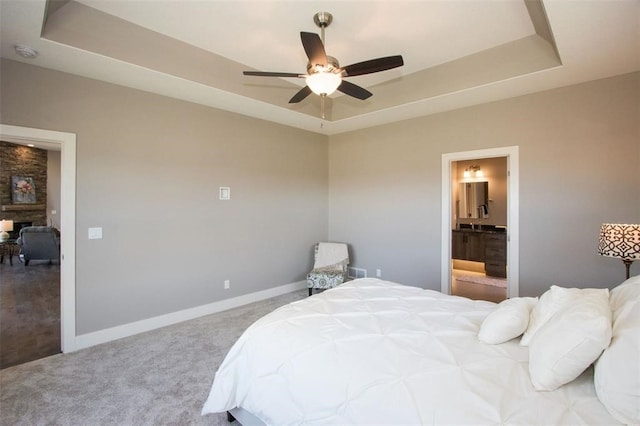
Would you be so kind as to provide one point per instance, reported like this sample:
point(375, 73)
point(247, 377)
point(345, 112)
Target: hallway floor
point(29, 311)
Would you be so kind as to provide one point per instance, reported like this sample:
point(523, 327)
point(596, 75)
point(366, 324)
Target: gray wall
point(148, 173)
point(579, 156)
point(149, 168)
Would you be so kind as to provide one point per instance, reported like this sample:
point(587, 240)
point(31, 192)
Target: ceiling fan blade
point(272, 74)
point(374, 65)
point(354, 90)
point(303, 93)
point(314, 48)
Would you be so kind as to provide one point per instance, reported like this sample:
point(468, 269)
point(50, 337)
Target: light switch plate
point(225, 193)
point(95, 233)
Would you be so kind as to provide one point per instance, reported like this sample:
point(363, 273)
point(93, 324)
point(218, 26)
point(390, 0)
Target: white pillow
point(509, 320)
point(627, 291)
point(551, 302)
point(617, 371)
point(571, 340)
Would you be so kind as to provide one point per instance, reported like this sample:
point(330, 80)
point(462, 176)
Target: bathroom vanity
point(487, 244)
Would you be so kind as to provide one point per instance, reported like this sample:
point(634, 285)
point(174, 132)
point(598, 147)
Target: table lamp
point(5, 225)
point(621, 241)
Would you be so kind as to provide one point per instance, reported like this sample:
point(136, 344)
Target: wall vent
point(354, 273)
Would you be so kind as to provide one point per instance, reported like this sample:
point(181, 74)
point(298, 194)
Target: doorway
point(67, 144)
point(29, 288)
point(478, 237)
point(467, 223)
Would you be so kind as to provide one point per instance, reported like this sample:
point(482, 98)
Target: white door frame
point(67, 142)
point(513, 202)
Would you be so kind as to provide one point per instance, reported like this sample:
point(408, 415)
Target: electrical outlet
point(227, 284)
point(379, 273)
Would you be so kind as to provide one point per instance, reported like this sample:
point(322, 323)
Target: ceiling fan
point(324, 74)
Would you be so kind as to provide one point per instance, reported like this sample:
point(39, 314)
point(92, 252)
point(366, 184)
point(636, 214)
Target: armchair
point(330, 266)
point(39, 242)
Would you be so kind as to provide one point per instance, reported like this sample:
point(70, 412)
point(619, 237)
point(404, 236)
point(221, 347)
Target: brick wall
point(19, 160)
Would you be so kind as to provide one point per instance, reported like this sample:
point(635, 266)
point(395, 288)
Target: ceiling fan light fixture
point(324, 75)
point(323, 83)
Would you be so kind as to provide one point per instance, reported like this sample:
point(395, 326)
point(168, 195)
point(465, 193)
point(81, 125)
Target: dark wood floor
point(29, 311)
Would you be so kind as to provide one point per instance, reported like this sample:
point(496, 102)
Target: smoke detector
point(26, 51)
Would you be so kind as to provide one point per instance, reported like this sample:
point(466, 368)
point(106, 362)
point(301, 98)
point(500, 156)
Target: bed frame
point(243, 417)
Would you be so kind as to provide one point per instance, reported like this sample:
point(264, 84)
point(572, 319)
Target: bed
point(377, 352)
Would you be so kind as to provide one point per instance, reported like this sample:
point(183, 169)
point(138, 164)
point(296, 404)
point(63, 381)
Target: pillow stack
point(617, 371)
point(568, 330)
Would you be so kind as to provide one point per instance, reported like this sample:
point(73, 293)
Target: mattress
point(377, 352)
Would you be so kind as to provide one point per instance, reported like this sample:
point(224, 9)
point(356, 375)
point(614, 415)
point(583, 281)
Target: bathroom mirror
point(473, 200)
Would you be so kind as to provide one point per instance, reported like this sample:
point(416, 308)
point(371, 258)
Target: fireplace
point(17, 226)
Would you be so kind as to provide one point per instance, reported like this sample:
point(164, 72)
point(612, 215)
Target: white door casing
point(67, 143)
point(513, 226)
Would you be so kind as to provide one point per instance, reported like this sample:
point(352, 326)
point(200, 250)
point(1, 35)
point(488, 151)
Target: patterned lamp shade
point(621, 241)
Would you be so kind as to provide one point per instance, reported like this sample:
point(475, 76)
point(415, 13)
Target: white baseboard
point(126, 330)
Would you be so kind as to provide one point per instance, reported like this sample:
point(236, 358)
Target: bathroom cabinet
point(489, 247)
point(495, 254)
point(468, 245)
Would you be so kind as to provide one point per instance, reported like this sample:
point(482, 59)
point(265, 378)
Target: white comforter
point(375, 352)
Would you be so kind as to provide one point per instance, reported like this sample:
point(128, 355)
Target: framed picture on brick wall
point(23, 190)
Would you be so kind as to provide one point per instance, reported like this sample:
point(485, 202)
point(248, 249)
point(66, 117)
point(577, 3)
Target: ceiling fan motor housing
point(323, 19)
point(332, 66)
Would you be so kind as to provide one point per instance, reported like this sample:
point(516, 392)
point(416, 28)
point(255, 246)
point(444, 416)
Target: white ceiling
point(456, 52)
point(265, 35)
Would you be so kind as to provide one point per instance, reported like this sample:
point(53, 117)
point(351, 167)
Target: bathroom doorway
point(478, 235)
point(480, 224)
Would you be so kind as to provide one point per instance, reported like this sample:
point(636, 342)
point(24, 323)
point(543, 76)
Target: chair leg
point(310, 291)
point(26, 262)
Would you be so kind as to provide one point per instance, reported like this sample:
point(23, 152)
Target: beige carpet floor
point(157, 378)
